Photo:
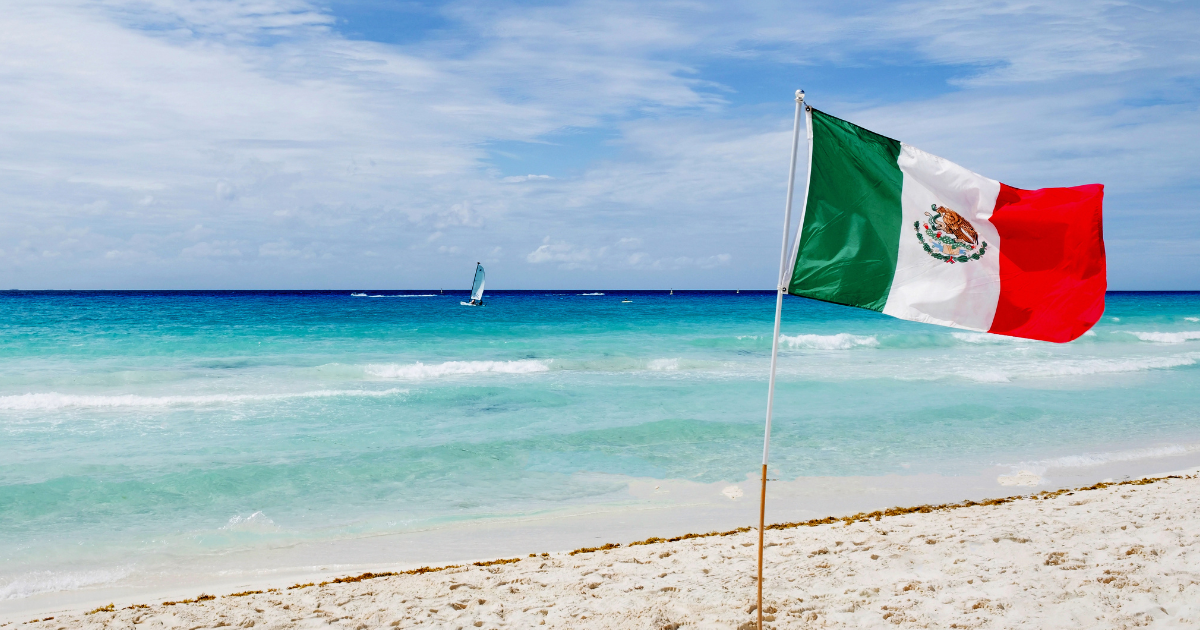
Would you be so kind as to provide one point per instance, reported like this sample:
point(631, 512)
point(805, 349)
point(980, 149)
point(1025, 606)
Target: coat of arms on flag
point(951, 237)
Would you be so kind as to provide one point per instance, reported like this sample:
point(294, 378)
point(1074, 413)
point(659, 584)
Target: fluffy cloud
point(215, 249)
point(297, 148)
point(569, 256)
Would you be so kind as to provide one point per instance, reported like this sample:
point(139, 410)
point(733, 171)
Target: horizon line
point(427, 290)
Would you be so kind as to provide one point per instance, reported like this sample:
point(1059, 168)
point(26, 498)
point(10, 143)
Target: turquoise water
point(141, 426)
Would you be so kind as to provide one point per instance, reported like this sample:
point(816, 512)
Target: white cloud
point(256, 119)
point(572, 257)
point(459, 214)
point(198, 232)
point(567, 255)
point(280, 249)
point(215, 249)
point(286, 250)
point(226, 191)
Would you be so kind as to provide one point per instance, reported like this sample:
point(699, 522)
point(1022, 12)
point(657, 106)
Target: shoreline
point(653, 507)
point(637, 549)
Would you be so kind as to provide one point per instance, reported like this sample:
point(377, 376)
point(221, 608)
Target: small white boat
point(626, 301)
point(476, 288)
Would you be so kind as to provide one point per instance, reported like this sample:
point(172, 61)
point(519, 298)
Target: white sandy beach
point(1114, 556)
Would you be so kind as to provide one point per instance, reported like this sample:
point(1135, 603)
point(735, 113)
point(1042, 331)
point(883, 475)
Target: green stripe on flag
point(851, 229)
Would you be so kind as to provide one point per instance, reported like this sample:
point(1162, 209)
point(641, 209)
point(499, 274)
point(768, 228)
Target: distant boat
point(626, 301)
point(672, 291)
point(476, 288)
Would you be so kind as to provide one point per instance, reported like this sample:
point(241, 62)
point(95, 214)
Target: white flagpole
point(781, 288)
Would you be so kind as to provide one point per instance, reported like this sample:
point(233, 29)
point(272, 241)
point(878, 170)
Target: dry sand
point(1112, 556)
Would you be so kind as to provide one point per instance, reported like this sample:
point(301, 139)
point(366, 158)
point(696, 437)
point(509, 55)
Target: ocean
point(143, 431)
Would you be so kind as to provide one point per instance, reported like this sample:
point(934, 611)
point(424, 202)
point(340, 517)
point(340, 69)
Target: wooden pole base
point(762, 514)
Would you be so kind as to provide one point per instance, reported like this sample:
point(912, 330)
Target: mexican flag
point(888, 227)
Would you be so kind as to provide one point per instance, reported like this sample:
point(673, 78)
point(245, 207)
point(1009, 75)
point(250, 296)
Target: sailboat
point(476, 288)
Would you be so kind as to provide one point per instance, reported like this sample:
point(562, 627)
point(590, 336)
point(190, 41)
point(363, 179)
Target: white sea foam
point(55, 400)
point(1002, 373)
point(975, 337)
point(395, 296)
point(1192, 319)
point(591, 294)
point(51, 581)
point(256, 523)
point(840, 341)
point(1167, 337)
point(1087, 460)
point(420, 370)
point(664, 365)
point(989, 338)
point(1026, 478)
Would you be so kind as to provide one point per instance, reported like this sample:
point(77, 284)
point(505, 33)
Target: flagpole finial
point(799, 96)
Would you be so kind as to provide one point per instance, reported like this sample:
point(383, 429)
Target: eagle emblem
point(947, 236)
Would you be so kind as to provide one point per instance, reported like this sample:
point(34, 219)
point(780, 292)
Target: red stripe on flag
point(1052, 268)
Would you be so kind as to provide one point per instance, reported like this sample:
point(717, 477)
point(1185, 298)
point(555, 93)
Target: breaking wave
point(1086, 460)
point(52, 581)
point(394, 296)
point(664, 365)
point(1075, 367)
point(420, 370)
point(988, 338)
point(256, 523)
point(840, 341)
point(1166, 337)
point(55, 400)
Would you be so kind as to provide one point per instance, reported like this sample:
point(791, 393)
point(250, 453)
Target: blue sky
point(348, 144)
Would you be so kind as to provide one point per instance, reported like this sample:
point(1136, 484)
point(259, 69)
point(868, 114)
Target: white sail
point(477, 286)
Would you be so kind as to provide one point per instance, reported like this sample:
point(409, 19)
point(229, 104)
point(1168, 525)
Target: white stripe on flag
point(926, 289)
